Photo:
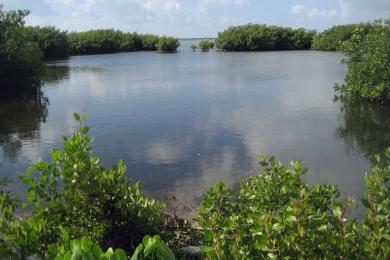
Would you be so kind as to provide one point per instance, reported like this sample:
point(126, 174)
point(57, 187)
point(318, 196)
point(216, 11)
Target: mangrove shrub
point(332, 38)
point(167, 44)
point(52, 42)
point(20, 58)
point(206, 45)
point(110, 41)
point(367, 55)
point(277, 215)
point(73, 194)
point(260, 37)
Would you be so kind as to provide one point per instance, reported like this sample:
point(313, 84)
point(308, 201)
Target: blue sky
point(196, 18)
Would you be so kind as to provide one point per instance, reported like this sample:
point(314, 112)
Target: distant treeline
point(23, 49)
point(260, 37)
point(61, 44)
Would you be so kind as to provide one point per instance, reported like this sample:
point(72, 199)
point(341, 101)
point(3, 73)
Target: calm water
point(184, 121)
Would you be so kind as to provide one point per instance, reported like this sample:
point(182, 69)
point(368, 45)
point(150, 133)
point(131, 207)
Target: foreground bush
point(277, 215)
point(167, 44)
point(367, 55)
point(20, 58)
point(73, 194)
point(206, 45)
point(150, 248)
point(259, 37)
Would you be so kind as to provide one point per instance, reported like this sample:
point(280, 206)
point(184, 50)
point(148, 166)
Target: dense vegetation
point(260, 37)
point(332, 38)
point(110, 41)
point(71, 197)
point(276, 215)
point(20, 59)
point(78, 208)
point(51, 41)
point(167, 44)
point(206, 45)
point(367, 54)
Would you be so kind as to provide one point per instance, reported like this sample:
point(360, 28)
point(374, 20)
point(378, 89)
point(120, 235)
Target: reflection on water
point(20, 121)
point(182, 122)
point(365, 127)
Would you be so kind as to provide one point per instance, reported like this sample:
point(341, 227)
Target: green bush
point(194, 47)
point(206, 45)
point(73, 194)
point(20, 59)
point(110, 41)
point(150, 248)
point(167, 44)
point(276, 215)
point(367, 55)
point(52, 42)
point(260, 37)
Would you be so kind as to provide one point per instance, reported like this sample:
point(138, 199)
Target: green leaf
point(137, 251)
point(151, 245)
point(206, 249)
point(86, 244)
point(76, 117)
point(84, 130)
point(164, 253)
point(120, 254)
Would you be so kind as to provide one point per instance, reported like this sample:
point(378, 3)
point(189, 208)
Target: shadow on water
point(365, 127)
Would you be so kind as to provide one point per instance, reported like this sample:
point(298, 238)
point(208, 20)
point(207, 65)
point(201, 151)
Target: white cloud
point(165, 5)
point(234, 2)
point(372, 8)
point(301, 10)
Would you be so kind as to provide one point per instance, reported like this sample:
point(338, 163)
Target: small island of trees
point(260, 37)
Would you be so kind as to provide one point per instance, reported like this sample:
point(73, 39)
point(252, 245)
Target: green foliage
point(206, 45)
point(73, 194)
point(260, 37)
point(20, 59)
point(194, 47)
point(83, 249)
point(331, 39)
point(150, 248)
point(153, 248)
point(167, 44)
point(277, 215)
point(110, 41)
point(367, 55)
point(52, 42)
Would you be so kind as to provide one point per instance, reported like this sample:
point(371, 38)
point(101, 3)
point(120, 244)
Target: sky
point(196, 18)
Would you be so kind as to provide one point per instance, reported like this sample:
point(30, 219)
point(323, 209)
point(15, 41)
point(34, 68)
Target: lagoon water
point(181, 122)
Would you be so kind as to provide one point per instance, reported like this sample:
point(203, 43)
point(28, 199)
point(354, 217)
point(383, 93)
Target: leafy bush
point(260, 37)
point(73, 194)
point(52, 42)
point(110, 41)
point(331, 39)
point(277, 215)
point(20, 59)
point(194, 47)
point(368, 57)
point(206, 45)
point(150, 248)
point(167, 44)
